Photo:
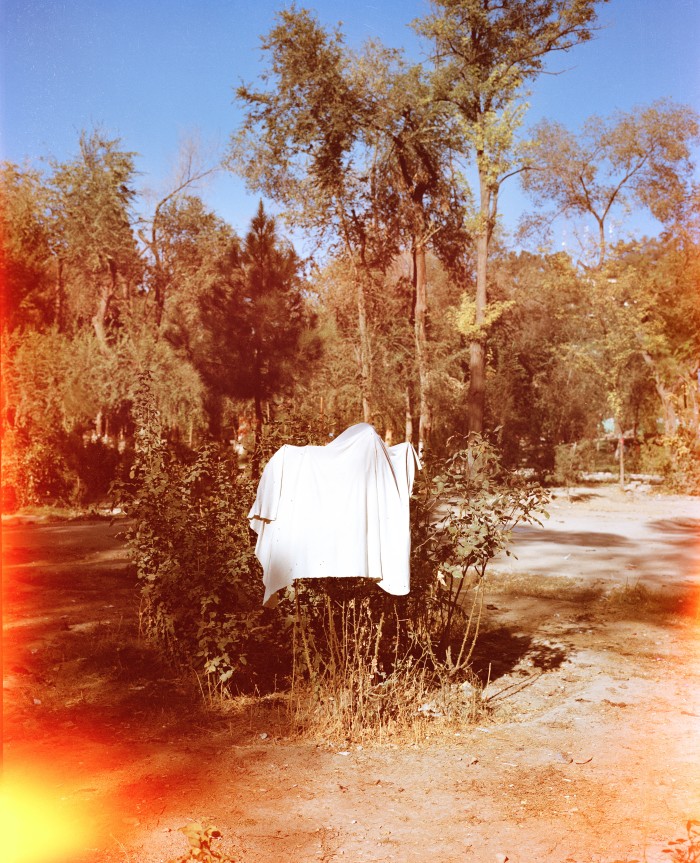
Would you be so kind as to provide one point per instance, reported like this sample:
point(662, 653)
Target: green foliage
point(37, 469)
point(465, 318)
point(25, 254)
point(466, 507)
point(366, 661)
point(190, 540)
point(676, 458)
point(568, 464)
point(57, 468)
point(90, 201)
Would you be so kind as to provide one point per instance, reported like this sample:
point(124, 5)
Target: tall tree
point(415, 141)
point(539, 398)
point(660, 279)
point(27, 277)
point(642, 157)
point(276, 315)
point(485, 53)
point(161, 232)
point(91, 198)
point(352, 147)
point(251, 320)
point(186, 244)
point(296, 147)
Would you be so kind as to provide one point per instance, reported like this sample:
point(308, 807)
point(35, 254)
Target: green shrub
point(358, 660)
point(200, 587)
point(676, 458)
point(37, 468)
point(368, 662)
point(569, 464)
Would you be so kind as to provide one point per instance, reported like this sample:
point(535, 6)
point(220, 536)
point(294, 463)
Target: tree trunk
point(602, 248)
point(621, 446)
point(365, 351)
point(257, 440)
point(409, 414)
point(667, 407)
point(621, 451)
point(99, 320)
point(691, 381)
point(419, 322)
point(477, 352)
point(59, 297)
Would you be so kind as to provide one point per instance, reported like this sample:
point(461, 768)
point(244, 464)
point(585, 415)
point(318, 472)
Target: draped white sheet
point(340, 510)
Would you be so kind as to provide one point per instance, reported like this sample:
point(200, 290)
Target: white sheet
point(340, 510)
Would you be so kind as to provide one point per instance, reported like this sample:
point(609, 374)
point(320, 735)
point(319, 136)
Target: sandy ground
point(590, 750)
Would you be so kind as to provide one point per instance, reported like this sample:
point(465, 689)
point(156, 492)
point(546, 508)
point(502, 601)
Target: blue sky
point(154, 71)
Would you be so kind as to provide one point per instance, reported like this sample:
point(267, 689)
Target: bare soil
point(589, 750)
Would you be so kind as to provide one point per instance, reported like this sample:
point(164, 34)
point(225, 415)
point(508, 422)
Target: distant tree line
point(416, 312)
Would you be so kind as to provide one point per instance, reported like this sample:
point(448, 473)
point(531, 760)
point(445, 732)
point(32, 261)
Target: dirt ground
point(590, 750)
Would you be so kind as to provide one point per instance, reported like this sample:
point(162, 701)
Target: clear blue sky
point(153, 71)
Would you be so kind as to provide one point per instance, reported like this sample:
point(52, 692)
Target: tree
point(275, 314)
point(351, 146)
point(661, 278)
point(160, 235)
point(539, 397)
point(415, 143)
point(26, 271)
point(485, 53)
point(246, 339)
point(90, 203)
point(296, 147)
point(642, 157)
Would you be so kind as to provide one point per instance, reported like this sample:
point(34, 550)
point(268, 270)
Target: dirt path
point(590, 751)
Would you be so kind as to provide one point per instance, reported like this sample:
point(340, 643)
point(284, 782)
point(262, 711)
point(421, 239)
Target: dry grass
point(543, 587)
point(356, 690)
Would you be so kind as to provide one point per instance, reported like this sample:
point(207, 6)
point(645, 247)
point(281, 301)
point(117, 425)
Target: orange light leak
point(40, 823)
point(44, 817)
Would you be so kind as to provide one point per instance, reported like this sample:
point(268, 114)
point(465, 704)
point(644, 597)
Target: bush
point(676, 458)
point(96, 466)
point(52, 467)
point(372, 663)
point(36, 469)
point(356, 660)
point(568, 464)
point(200, 588)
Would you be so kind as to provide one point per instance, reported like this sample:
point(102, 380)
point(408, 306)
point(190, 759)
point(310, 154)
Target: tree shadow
point(582, 496)
point(499, 651)
point(687, 526)
point(585, 539)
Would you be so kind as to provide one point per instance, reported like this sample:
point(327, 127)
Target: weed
point(631, 598)
point(200, 838)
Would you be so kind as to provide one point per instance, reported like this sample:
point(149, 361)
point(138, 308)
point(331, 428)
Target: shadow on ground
point(500, 651)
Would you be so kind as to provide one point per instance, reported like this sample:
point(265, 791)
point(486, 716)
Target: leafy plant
point(200, 838)
point(675, 457)
point(465, 509)
point(200, 589)
point(369, 663)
